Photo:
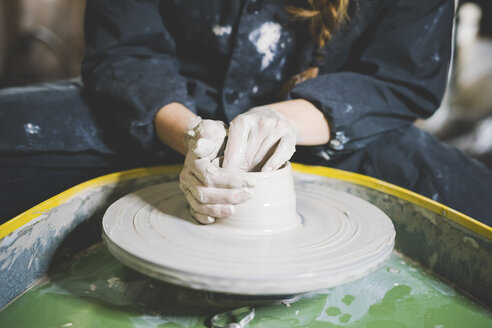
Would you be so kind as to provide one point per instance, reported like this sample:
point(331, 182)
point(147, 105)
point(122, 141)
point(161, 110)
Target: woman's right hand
point(260, 139)
point(210, 191)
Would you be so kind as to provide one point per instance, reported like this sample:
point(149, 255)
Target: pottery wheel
point(341, 238)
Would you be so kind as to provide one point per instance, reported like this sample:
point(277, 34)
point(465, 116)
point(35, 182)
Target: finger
point(203, 171)
point(213, 210)
point(254, 142)
point(284, 151)
point(207, 138)
point(216, 132)
point(187, 180)
point(218, 149)
point(265, 148)
point(194, 122)
point(212, 136)
point(263, 129)
point(230, 190)
point(204, 148)
point(228, 180)
point(212, 176)
point(195, 169)
point(202, 218)
point(236, 145)
point(211, 195)
point(212, 129)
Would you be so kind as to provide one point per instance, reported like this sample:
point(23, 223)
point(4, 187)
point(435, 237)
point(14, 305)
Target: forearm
point(309, 122)
point(171, 124)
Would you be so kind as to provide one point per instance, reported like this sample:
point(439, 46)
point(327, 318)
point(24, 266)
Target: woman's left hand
point(260, 139)
point(210, 192)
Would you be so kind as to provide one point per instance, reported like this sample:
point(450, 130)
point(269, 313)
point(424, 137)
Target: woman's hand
point(210, 191)
point(260, 139)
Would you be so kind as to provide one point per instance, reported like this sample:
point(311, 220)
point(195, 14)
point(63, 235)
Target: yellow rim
point(59, 199)
point(391, 189)
point(359, 179)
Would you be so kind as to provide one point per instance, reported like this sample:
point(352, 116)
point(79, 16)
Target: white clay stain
point(265, 39)
point(340, 135)
point(435, 57)
point(393, 270)
point(113, 281)
point(470, 241)
point(221, 30)
point(32, 128)
point(323, 154)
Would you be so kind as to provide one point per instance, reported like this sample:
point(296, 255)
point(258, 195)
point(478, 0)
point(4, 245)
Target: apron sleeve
point(130, 63)
point(396, 73)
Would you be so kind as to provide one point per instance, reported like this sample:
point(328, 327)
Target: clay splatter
point(265, 39)
point(32, 128)
point(113, 281)
point(221, 30)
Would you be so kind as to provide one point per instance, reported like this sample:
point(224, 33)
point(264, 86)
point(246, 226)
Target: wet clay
point(270, 209)
point(286, 239)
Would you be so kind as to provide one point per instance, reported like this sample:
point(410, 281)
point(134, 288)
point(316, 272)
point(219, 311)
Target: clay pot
point(272, 206)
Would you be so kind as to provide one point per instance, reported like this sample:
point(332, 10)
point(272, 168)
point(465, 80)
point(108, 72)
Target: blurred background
point(42, 40)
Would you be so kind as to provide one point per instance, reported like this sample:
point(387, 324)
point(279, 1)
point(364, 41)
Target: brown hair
point(324, 18)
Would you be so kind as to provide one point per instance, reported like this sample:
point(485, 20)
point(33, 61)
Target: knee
point(38, 100)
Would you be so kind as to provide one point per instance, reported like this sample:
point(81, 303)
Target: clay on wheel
point(333, 239)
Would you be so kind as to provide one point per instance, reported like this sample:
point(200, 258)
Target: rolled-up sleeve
point(397, 72)
point(130, 62)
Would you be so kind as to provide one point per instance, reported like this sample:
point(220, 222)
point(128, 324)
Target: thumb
point(203, 148)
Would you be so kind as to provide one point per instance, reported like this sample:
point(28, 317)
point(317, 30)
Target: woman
point(367, 70)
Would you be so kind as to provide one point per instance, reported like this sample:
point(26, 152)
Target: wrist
point(171, 123)
point(278, 112)
point(191, 132)
point(309, 122)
